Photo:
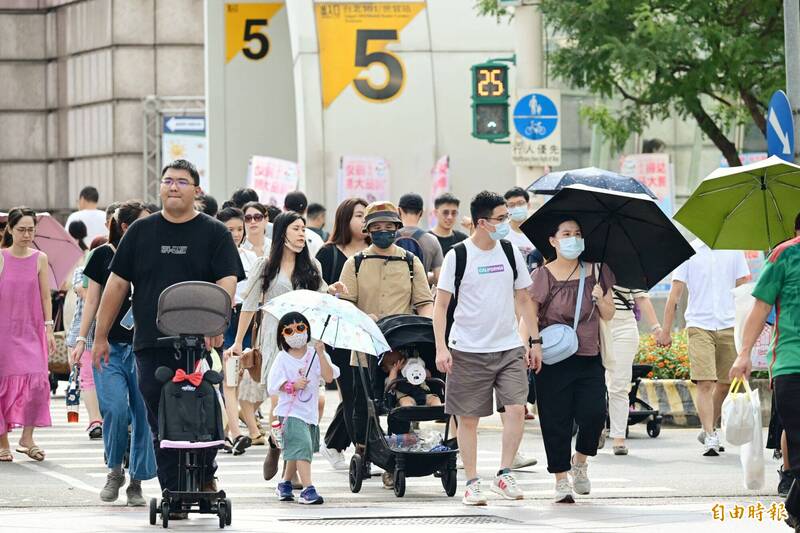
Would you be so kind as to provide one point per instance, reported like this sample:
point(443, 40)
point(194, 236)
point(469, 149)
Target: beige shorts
point(474, 376)
point(711, 354)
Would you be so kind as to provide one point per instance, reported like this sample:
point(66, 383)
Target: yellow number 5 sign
point(353, 37)
point(245, 27)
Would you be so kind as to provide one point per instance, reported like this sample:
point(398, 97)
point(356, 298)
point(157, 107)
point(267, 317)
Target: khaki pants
point(618, 378)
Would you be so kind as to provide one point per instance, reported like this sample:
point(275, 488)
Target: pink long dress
point(24, 387)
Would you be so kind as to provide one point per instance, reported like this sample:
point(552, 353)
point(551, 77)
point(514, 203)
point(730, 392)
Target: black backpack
point(189, 413)
point(461, 265)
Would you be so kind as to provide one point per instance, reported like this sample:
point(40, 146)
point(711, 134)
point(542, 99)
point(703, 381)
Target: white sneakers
point(473, 495)
point(580, 478)
point(564, 492)
point(506, 486)
point(711, 445)
point(334, 457)
point(520, 461)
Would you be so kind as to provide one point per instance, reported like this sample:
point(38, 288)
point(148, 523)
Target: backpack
point(408, 258)
point(461, 265)
point(189, 413)
point(412, 244)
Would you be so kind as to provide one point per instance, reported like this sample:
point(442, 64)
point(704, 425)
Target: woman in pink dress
point(26, 327)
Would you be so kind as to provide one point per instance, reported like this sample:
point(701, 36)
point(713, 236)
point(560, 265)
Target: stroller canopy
point(406, 330)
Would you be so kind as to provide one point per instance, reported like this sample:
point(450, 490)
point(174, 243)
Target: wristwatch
point(532, 341)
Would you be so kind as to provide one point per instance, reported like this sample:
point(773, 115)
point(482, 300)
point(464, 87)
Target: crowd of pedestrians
point(490, 293)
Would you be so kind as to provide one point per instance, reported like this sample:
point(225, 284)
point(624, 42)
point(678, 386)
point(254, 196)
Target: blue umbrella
point(593, 177)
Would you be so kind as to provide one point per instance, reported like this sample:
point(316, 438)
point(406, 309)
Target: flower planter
point(676, 398)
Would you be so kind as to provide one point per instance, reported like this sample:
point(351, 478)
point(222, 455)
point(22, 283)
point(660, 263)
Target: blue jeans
point(121, 404)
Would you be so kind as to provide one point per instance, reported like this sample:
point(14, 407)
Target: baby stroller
point(638, 410)
point(403, 331)
point(189, 415)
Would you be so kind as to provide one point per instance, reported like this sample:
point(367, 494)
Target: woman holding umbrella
point(27, 334)
point(574, 388)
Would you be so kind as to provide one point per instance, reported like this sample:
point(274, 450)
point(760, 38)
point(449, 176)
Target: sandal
point(260, 440)
point(34, 452)
point(240, 444)
point(5, 456)
point(228, 446)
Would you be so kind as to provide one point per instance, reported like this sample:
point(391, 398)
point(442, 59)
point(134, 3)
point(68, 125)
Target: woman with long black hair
point(116, 380)
point(288, 267)
point(348, 239)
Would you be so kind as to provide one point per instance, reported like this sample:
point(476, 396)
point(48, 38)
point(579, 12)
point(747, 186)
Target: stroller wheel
point(165, 514)
point(229, 511)
point(450, 481)
point(654, 428)
point(356, 471)
point(153, 511)
point(222, 513)
point(399, 483)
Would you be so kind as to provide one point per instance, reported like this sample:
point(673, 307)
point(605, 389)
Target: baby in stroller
point(407, 363)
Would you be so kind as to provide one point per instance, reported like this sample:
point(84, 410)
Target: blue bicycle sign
point(535, 116)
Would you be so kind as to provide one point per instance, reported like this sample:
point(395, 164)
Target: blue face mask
point(571, 247)
point(519, 213)
point(500, 231)
point(383, 239)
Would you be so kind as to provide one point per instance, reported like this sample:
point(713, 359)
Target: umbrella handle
point(315, 350)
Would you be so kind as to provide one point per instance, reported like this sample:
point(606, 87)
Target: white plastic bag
point(752, 453)
point(737, 414)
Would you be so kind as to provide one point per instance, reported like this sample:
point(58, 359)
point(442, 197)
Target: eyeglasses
point(26, 230)
point(450, 212)
point(499, 220)
point(258, 217)
point(180, 182)
point(288, 331)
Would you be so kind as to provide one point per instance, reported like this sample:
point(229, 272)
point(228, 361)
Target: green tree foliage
point(717, 61)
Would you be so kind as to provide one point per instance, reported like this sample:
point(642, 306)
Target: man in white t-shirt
point(710, 276)
point(296, 201)
point(93, 218)
point(518, 203)
point(485, 353)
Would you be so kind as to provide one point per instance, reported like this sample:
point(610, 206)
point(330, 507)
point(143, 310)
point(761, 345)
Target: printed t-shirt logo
point(174, 250)
point(491, 269)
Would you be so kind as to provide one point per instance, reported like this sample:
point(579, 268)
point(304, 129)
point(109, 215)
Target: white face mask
point(298, 340)
point(571, 247)
point(292, 247)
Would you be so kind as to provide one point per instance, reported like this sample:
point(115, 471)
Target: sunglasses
point(449, 213)
point(258, 217)
point(288, 331)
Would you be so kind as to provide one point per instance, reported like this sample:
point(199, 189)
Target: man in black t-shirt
point(177, 244)
point(446, 207)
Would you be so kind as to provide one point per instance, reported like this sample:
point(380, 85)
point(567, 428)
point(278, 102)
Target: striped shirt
point(624, 299)
point(75, 327)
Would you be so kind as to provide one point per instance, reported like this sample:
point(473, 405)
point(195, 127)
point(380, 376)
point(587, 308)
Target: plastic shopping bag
point(752, 453)
point(737, 414)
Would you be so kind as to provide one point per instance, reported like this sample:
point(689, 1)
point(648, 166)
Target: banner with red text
point(654, 171)
point(272, 178)
point(364, 177)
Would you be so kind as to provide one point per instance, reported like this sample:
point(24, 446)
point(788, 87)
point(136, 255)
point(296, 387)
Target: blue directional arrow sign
point(535, 116)
point(780, 127)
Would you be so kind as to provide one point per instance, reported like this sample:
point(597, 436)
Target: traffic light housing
point(490, 101)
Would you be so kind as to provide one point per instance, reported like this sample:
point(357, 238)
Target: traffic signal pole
point(528, 43)
point(791, 32)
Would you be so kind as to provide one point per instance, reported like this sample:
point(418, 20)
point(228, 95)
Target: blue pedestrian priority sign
point(780, 127)
point(535, 116)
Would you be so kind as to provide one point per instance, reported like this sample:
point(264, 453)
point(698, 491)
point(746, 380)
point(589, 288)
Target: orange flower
point(661, 364)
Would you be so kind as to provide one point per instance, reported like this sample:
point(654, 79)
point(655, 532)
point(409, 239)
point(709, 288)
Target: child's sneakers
point(284, 491)
point(506, 486)
point(473, 494)
point(310, 496)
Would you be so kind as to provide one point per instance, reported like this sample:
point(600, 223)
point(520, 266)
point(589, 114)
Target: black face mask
point(383, 239)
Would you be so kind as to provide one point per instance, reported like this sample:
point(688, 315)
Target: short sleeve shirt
point(97, 269)
point(557, 301)
point(779, 285)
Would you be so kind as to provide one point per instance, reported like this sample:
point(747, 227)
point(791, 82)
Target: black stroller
point(189, 417)
point(403, 331)
point(638, 410)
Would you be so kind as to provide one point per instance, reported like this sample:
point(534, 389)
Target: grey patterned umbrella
point(593, 177)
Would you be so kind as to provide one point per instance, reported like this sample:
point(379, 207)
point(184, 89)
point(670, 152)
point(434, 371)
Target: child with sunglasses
point(294, 378)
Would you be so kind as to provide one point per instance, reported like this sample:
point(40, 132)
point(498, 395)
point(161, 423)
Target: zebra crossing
point(74, 459)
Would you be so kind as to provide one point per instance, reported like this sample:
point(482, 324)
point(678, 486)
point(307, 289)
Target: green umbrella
point(752, 207)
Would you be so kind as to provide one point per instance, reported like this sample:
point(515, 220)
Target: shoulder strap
point(409, 258)
point(417, 234)
point(334, 262)
point(508, 248)
point(579, 298)
point(461, 266)
point(359, 258)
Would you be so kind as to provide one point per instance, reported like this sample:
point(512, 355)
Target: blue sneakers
point(284, 491)
point(310, 496)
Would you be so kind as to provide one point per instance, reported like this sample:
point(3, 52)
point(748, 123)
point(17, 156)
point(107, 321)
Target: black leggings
point(787, 403)
point(573, 390)
point(340, 431)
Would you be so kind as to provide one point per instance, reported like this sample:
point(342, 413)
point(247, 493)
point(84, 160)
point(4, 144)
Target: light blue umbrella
point(335, 322)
